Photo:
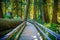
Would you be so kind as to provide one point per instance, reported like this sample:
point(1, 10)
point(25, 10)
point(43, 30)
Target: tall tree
point(35, 9)
point(46, 16)
point(1, 13)
point(58, 11)
point(27, 9)
point(16, 7)
point(55, 9)
point(21, 8)
point(15, 3)
point(29, 12)
point(41, 9)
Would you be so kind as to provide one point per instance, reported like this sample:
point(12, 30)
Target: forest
point(14, 12)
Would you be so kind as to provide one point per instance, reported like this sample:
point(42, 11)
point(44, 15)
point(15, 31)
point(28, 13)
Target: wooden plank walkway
point(30, 33)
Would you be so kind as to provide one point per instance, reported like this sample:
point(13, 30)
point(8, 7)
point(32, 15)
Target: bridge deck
point(30, 33)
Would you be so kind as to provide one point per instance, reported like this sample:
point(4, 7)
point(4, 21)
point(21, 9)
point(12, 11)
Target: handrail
point(43, 33)
point(48, 30)
point(39, 29)
point(10, 34)
point(19, 33)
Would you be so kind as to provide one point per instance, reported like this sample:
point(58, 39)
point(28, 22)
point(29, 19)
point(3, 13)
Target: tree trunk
point(55, 9)
point(29, 13)
point(21, 8)
point(1, 13)
point(58, 11)
point(40, 5)
point(35, 10)
point(44, 12)
point(16, 7)
point(27, 9)
point(46, 16)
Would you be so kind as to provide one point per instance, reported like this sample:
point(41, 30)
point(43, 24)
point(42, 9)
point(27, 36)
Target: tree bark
point(27, 9)
point(41, 9)
point(1, 13)
point(16, 7)
point(29, 13)
point(21, 8)
point(58, 11)
point(46, 16)
point(35, 10)
point(55, 9)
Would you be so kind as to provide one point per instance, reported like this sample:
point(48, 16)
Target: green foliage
point(52, 26)
point(7, 16)
point(17, 17)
